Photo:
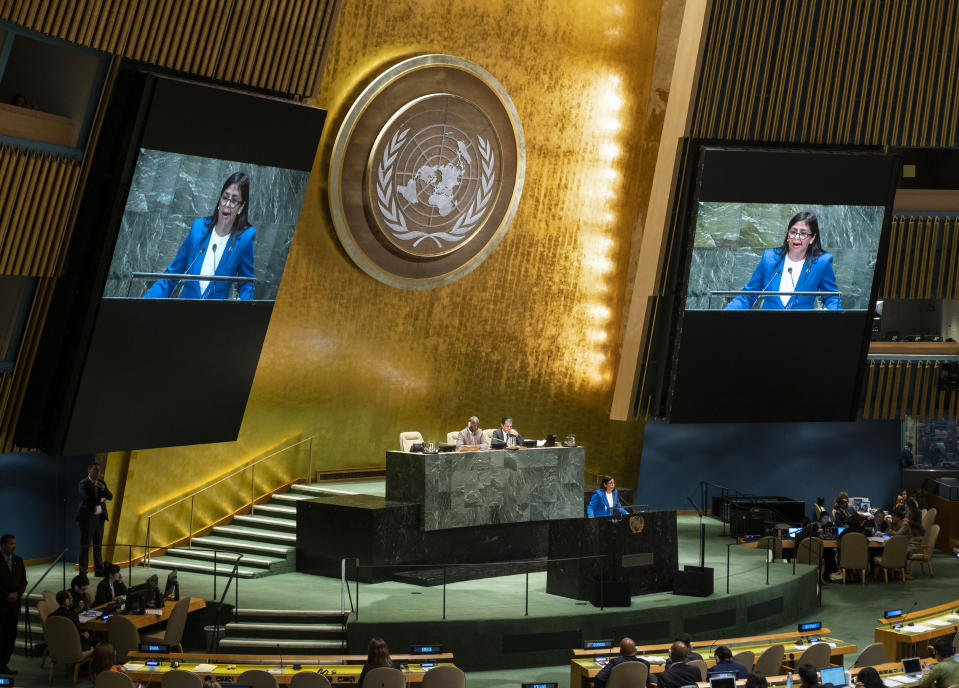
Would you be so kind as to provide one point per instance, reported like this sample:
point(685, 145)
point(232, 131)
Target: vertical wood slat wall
point(895, 389)
point(276, 45)
point(923, 259)
point(883, 72)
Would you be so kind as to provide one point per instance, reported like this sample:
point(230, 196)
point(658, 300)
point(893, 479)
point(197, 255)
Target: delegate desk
point(919, 630)
point(339, 669)
point(147, 619)
point(584, 666)
point(886, 671)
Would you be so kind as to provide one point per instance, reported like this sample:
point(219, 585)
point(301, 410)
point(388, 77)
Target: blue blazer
point(237, 259)
point(599, 507)
point(817, 275)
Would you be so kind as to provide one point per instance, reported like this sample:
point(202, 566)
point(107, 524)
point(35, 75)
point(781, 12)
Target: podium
point(632, 555)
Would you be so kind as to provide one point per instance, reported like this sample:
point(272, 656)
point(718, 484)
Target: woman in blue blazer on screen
point(221, 244)
point(605, 501)
point(800, 264)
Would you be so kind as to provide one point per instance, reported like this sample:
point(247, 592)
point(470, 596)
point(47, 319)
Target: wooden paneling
point(277, 45)
point(923, 259)
point(882, 72)
point(895, 389)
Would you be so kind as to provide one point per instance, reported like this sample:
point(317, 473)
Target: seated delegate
point(627, 653)
point(726, 665)
point(505, 430)
point(472, 435)
point(605, 501)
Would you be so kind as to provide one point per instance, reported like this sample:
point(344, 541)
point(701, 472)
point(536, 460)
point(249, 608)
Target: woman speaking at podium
point(221, 244)
point(800, 264)
point(605, 500)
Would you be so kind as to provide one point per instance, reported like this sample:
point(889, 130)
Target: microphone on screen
point(212, 284)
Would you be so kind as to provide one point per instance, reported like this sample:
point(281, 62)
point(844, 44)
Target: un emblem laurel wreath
point(393, 215)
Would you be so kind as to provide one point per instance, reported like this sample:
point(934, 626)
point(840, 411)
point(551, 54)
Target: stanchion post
point(527, 588)
point(768, 556)
point(444, 592)
point(728, 548)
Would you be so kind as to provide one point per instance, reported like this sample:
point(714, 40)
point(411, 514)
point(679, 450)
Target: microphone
point(792, 300)
point(212, 284)
point(281, 657)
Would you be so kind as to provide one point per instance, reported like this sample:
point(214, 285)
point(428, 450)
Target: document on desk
point(134, 666)
point(878, 538)
point(654, 659)
point(155, 612)
point(204, 668)
point(900, 680)
point(938, 623)
point(916, 628)
point(952, 617)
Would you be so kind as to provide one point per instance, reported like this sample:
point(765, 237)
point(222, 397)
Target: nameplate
point(640, 559)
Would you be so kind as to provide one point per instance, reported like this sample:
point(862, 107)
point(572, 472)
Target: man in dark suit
point(65, 600)
point(679, 673)
point(13, 583)
point(627, 653)
point(91, 515)
point(505, 430)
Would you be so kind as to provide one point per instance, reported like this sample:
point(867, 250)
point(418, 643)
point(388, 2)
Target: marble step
point(195, 566)
point(240, 545)
point(267, 522)
point(319, 491)
point(248, 560)
point(275, 510)
point(300, 631)
point(259, 534)
point(271, 645)
point(288, 498)
point(299, 614)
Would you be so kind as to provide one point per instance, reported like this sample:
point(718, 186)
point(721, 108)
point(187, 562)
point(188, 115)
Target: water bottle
point(848, 678)
point(789, 679)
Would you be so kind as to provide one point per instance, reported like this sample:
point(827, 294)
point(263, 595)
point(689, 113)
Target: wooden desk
point(144, 620)
point(828, 544)
point(583, 666)
point(338, 674)
point(940, 620)
point(885, 670)
point(305, 660)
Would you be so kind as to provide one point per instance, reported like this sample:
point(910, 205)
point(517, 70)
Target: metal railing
point(199, 493)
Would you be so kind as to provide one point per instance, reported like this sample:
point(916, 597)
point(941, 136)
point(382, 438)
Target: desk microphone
point(212, 284)
point(792, 300)
point(281, 657)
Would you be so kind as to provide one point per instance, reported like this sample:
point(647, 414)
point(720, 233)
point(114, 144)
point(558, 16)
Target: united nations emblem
point(637, 523)
point(442, 177)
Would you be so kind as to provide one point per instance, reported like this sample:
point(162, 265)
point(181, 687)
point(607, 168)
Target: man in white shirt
point(472, 435)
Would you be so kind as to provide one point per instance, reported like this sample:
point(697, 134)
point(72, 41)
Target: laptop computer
point(912, 667)
point(833, 675)
point(722, 681)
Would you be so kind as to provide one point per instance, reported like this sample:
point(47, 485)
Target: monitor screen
point(722, 681)
point(810, 626)
point(834, 675)
point(598, 644)
point(892, 613)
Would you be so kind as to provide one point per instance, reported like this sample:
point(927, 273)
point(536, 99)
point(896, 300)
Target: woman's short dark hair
point(79, 581)
point(241, 221)
point(604, 481)
point(815, 249)
point(869, 678)
point(62, 597)
point(104, 657)
point(723, 653)
point(808, 674)
point(756, 680)
point(944, 647)
point(110, 569)
point(378, 654)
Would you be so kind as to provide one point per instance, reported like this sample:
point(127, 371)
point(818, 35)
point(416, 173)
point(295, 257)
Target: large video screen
point(175, 261)
point(783, 256)
point(781, 249)
point(190, 215)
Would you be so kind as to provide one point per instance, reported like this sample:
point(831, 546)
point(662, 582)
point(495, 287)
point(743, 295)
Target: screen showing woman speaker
point(783, 256)
point(204, 229)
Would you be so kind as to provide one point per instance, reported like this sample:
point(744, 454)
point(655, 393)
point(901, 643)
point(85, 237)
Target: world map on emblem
point(435, 175)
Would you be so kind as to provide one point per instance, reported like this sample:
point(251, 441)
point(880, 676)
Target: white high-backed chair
point(408, 439)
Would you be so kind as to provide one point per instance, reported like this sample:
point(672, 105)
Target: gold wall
point(532, 332)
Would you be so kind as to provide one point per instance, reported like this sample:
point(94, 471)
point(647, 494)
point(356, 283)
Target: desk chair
point(123, 635)
point(308, 679)
point(747, 658)
point(770, 662)
point(701, 665)
point(113, 679)
point(872, 655)
point(408, 439)
point(924, 556)
point(628, 675)
point(928, 518)
point(771, 544)
point(63, 641)
point(453, 677)
point(817, 656)
point(181, 679)
point(384, 677)
point(173, 635)
point(257, 678)
point(854, 555)
point(451, 437)
point(893, 557)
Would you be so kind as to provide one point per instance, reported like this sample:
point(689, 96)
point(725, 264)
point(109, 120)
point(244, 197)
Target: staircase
point(20, 647)
point(284, 631)
point(266, 538)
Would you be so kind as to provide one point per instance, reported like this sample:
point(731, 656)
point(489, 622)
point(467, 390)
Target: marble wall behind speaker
point(170, 190)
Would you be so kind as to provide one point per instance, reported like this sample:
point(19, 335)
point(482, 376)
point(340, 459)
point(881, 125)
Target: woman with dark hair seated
point(869, 678)
point(756, 680)
point(111, 588)
point(221, 244)
point(799, 264)
point(378, 655)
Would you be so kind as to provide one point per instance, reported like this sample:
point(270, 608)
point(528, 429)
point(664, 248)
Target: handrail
point(26, 601)
point(231, 474)
point(215, 637)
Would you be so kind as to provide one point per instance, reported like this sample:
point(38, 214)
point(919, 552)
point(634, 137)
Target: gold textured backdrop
point(533, 331)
